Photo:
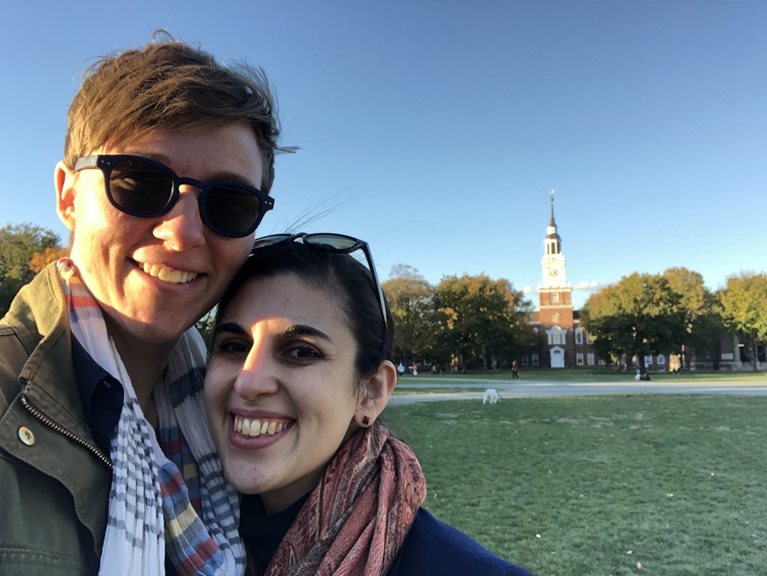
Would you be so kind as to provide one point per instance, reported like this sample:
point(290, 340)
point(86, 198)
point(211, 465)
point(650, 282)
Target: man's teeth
point(258, 426)
point(168, 274)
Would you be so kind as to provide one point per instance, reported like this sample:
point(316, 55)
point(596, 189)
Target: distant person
point(675, 363)
point(168, 162)
point(514, 370)
point(400, 369)
point(298, 376)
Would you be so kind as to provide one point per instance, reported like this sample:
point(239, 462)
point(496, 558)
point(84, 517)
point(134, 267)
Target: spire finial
point(551, 195)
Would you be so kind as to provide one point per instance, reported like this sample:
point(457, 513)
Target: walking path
point(539, 388)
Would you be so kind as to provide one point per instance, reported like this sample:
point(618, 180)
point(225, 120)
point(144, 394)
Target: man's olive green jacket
point(54, 480)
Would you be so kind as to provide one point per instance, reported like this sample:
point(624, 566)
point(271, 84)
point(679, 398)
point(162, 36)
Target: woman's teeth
point(258, 426)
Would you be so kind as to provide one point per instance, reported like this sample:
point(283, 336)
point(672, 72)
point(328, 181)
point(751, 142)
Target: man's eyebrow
point(223, 175)
point(304, 330)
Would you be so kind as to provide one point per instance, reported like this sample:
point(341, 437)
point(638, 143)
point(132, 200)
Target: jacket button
point(26, 436)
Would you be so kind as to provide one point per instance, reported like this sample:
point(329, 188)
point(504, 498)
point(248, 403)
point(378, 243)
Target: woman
point(296, 381)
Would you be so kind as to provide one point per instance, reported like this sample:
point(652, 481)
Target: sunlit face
point(280, 389)
point(154, 277)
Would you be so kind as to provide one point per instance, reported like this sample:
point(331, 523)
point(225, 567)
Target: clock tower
point(553, 261)
point(555, 303)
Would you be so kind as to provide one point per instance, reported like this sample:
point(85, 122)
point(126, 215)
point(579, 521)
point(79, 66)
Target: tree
point(206, 325)
point(481, 319)
point(410, 300)
point(743, 309)
point(701, 325)
point(40, 260)
point(19, 245)
point(639, 314)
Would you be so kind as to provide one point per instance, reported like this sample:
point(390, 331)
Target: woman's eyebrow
point(231, 327)
point(304, 330)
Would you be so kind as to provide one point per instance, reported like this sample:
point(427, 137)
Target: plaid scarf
point(154, 508)
point(356, 519)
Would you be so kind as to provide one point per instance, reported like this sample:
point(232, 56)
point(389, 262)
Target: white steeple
point(553, 261)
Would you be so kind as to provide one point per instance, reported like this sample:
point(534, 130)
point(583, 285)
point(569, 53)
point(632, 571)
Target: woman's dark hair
point(339, 275)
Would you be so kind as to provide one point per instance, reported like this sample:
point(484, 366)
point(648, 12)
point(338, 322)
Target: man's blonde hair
point(169, 84)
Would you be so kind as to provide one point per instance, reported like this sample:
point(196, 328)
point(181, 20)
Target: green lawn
point(593, 485)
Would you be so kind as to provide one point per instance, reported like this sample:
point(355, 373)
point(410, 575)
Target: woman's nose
point(257, 376)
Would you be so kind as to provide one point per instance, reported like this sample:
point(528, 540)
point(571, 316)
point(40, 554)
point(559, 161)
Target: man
point(169, 158)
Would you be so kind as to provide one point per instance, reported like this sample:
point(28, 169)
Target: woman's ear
point(375, 395)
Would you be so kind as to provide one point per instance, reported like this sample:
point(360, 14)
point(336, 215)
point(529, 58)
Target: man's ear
point(377, 390)
point(64, 181)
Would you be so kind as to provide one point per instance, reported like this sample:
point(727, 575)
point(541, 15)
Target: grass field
point(611, 485)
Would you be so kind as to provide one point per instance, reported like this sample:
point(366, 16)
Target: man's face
point(154, 277)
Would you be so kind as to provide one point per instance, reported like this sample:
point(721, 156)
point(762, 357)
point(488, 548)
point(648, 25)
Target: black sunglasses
point(338, 243)
point(147, 188)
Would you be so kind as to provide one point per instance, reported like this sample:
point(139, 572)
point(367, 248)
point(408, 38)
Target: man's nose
point(182, 227)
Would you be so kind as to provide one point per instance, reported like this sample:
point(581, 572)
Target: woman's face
point(280, 389)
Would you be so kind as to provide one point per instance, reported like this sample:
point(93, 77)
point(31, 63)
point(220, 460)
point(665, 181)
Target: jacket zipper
point(64, 432)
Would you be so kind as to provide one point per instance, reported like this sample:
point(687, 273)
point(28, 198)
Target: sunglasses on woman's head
point(338, 243)
point(147, 188)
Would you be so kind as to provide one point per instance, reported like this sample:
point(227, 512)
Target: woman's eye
point(302, 352)
point(232, 347)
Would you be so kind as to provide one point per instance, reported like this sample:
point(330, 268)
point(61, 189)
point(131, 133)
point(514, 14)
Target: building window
point(578, 336)
point(536, 360)
point(590, 358)
point(555, 296)
point(556, 336)
point(589, 339)
point(579, 358)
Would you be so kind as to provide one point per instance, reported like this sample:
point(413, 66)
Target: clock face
point(553, 271)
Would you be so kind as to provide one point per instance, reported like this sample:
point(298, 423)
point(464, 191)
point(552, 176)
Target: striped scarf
point(177, 505)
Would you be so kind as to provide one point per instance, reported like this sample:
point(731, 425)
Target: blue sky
point(435, 129)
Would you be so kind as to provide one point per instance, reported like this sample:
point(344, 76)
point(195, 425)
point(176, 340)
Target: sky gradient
point(435, 130)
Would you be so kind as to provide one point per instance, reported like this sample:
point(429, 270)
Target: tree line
point(674, 313)
point(462, 322)
point(474, 321)
point(477, 322)
point(25, 249)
